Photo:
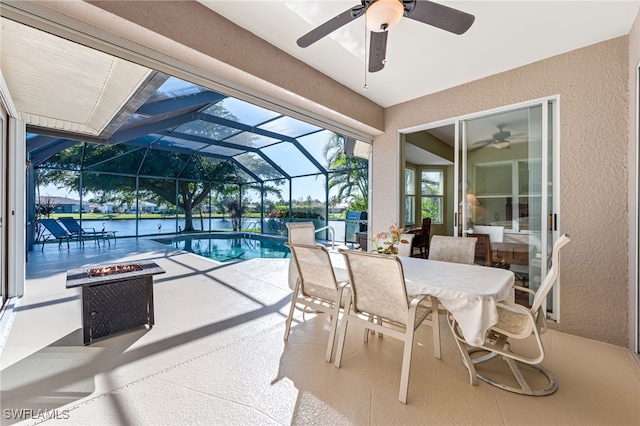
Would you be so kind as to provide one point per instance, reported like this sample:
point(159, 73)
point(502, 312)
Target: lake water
point(127, 228)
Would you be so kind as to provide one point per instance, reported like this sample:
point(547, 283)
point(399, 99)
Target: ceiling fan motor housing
point(502, 135)
point(384, 14)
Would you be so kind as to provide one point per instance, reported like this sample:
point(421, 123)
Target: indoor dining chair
point(425, 237)
point(316, 287)
point(516, 323)
point(377, 288)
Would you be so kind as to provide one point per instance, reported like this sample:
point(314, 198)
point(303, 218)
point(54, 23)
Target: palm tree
point(235, 209)
point(348, 174)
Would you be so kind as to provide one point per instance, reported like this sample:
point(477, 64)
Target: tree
point(235, 209)
point(46, 207)
point(350, 174)
point(109, 171)
point(113, 180)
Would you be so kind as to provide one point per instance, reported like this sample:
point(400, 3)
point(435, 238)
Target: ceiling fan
point(499, 140)
point(381, 15)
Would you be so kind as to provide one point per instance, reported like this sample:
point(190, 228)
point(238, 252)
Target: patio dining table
point(469, 292)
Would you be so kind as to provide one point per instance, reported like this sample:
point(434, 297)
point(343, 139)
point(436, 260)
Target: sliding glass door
point(505, 187)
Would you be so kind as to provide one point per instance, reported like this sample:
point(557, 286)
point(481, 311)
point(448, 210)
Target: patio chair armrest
point(525, 289)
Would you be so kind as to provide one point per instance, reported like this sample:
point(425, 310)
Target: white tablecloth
point(469, 292)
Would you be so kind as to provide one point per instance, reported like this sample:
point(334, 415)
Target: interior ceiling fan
point(499, 140)
point(382, 15)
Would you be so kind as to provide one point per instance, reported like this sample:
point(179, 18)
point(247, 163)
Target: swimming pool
point(230, 246)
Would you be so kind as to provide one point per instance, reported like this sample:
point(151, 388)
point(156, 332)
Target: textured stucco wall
point(634, 63)
point(593, 87)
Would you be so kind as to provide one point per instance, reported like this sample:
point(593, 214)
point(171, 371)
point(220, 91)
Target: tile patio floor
point(216, 356)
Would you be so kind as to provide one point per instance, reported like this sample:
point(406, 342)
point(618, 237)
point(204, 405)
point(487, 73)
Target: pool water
point(231, 247)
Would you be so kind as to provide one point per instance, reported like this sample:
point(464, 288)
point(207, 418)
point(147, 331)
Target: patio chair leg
point(435, 327)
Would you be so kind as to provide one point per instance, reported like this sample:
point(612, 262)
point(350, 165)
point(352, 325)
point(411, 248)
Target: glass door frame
point(550, 174)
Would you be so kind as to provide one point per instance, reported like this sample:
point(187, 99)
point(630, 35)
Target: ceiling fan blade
point(481, 143)
point(377, 50)
point(518, 135)
point(330, 26)
point(443, 17)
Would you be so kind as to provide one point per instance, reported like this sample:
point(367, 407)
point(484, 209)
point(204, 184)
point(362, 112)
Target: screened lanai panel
point(174, 87)
point(276, 207)
point(323, 145)
point(221, 151)
point(252, 201)
point(290, 159)
point(160, 163)
point(67, 159)
point(252, 140)
point(140, 119)
point(258, 166)
point(211, 131)
point(289, 127)
point(194, 170)
point(242, 176)
point(169, 141)
point(95, 153)
point(113, 158)
point(310, 192)
point(224, 170)
point(243, 112)
point(212, 162)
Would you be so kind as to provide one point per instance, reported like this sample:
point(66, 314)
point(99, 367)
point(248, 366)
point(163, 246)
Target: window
point(432, 191)
point(410, 199)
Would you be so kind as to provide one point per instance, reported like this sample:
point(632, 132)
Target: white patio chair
point(302, 233)
point(377, 288)
point(316, 287)
point(299, 233)
point(515, 322)
point(453, 249)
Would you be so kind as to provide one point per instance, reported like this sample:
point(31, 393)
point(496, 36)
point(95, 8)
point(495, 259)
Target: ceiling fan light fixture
point(501, 144)
point(384, 14)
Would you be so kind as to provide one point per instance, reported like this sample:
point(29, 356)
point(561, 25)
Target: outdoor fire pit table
point(115, 298)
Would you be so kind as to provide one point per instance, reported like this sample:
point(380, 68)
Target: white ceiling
point(422, 59)
point(420, 156)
